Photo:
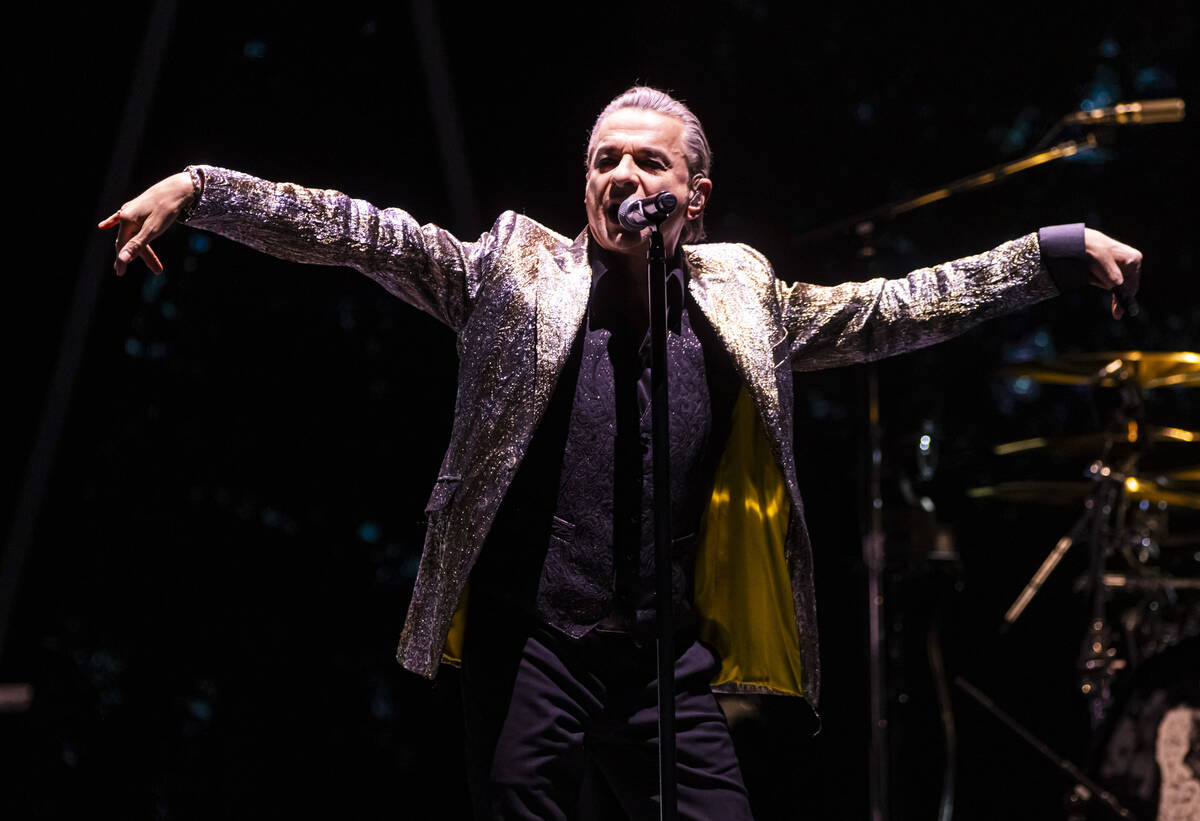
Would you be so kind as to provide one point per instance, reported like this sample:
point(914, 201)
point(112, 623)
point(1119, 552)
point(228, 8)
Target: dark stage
point(222, 557)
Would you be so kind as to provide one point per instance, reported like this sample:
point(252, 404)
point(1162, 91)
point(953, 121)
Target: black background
point(223, 560)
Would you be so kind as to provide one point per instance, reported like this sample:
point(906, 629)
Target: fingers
point(1132, 266)
point(1121, 280)
point(125, 227)
point(1112, 263)
point(130, 250)
point(1106, 273)
point(124, 232)
point(139, 246)
point(1128, 262)
point(151, 259)
point(1116, 267)
point(137, 225)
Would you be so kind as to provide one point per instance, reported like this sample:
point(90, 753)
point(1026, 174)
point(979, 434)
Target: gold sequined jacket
point(516, 297)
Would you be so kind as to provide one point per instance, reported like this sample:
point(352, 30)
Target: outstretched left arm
point(830, 326)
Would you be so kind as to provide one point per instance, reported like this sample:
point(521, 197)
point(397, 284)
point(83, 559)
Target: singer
point(537, 572)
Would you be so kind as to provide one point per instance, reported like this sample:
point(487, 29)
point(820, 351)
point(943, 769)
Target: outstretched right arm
point(423, 265)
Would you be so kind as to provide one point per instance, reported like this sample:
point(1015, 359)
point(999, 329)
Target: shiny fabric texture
point(516, 298)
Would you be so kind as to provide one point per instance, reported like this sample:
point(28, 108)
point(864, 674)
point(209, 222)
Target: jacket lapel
point(740, 312)
point(562, 295)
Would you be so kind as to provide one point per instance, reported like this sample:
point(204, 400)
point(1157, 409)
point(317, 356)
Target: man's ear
point(701, 190)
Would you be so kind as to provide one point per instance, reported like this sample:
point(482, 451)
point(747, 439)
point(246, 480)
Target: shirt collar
point(604, 293)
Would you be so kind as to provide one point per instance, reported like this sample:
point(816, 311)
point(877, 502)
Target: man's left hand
point(1112, 263)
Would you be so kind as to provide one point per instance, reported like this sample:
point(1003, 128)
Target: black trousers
point(558, 729)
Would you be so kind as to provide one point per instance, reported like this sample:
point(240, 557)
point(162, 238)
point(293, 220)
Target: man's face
point(640, 153)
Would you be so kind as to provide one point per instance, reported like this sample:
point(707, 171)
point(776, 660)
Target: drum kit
point(1139, 521)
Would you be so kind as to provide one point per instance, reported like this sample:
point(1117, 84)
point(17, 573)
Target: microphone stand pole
point(664, 598)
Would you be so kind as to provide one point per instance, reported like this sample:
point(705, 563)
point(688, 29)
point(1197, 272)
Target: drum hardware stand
point(1097, 657)
point(1047, 567)
point(1098, 662)
point(1085, 788)
point(945, 555)
point(875, 560)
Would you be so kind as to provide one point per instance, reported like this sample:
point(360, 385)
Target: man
point(543, 499)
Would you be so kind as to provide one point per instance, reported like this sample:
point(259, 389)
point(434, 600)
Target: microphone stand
point(664, 598)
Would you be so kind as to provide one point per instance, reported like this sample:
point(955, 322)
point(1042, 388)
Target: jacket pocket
point(443, 492)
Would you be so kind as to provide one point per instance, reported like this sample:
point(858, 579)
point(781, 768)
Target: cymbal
point(1150, 369)
point(1093, 443)
point(1048, 492)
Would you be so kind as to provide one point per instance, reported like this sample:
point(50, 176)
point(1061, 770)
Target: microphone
point(1166, 110)
point(635, 214)
point(1126, 300)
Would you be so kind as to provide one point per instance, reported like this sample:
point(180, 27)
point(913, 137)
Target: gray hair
point(695, 143)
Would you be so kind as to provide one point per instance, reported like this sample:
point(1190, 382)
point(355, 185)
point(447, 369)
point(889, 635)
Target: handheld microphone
point(1127, 300)
point(635, 214)
point(1145, 112)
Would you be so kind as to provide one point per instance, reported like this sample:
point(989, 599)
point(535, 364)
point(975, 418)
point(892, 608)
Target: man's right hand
point(146, 217)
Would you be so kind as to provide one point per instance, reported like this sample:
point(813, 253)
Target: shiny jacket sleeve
point(829, 326)
point(422, 264)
